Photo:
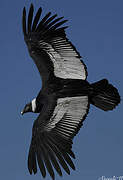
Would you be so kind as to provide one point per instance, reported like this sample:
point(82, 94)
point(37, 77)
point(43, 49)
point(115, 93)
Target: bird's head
point(30, 107)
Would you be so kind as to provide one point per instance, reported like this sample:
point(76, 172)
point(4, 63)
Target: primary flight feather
point(65, 97)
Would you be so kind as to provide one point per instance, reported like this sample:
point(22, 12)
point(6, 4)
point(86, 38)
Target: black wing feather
point(50, 19)
point(40, 25)
point(40, 162)
point(32, 166)
point(58, 155)
point(47, 161)
point(43, 28)
point(53, 159)
point(68, 159)
point(53, 22)
point(36, 19)
point(61, 142)
point(30, 16)
point(24, 21)
point(58, 24)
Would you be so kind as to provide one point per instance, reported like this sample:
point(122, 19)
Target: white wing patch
point(66, 61)
point(68, 113)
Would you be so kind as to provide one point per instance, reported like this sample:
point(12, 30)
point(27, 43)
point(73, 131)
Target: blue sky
point(96, 29)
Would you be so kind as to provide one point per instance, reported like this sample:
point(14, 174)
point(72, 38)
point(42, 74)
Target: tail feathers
point(105, 96)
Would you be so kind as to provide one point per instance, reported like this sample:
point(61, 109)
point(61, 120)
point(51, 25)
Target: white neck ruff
point(33, 105)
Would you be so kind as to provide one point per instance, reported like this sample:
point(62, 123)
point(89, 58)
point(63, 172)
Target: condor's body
point(65, 97)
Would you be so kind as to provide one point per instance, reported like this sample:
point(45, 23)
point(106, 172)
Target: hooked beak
point(26, 109)
point(22, 112)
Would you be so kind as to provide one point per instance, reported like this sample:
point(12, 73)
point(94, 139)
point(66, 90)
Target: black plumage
point(65, 97)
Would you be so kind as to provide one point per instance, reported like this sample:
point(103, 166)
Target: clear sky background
point(96, 29)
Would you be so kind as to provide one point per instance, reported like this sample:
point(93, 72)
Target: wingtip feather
point(36, 19)
point(41, 163)
point(30, 16)
point(24, 21)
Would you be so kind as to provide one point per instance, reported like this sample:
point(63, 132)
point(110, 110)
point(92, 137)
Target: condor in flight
point(64, 99)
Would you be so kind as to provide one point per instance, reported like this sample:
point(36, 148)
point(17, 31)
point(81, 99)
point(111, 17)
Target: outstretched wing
point(51, 144)
point(51, 51)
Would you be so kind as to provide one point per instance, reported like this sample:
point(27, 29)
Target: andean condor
point(64, 99)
